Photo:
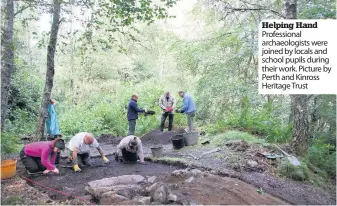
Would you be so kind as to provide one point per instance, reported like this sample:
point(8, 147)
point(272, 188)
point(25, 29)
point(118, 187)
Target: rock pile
point(138, 190)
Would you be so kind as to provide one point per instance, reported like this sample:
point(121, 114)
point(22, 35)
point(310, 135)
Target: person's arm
point(185, 107)
point(45, 159)
point(53, 157)
point(135, 107)
point(75, 152)
point(140, 151)
point(161, 103)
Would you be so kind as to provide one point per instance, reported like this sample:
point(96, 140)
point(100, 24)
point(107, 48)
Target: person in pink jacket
point(40, 156)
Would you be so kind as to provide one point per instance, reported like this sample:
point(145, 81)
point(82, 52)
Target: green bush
point(320, 156)
point(298, 173)
point(10, 143)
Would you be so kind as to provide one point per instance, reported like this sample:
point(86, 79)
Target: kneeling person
point(130, 149)
point(79, 147)
point(40, 156)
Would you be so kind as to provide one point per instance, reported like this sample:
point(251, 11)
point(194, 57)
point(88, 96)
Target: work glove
point(56, 171)
point(77, 168)
point(170, 109)
point(178, 111)
point(145, 110)
point(166, 109)
point(106, 160)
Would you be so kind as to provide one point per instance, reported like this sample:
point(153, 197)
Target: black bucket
point(178, 141)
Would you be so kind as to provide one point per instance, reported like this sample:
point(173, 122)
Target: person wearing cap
point(167, 103)
point(40, 156)
point(188, 108)
point(130, 149)
point(79, 147)
point(133, 111)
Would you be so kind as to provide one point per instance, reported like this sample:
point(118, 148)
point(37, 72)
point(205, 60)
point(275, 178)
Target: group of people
point(40, 157)
point(43, 156)
point(168, 104)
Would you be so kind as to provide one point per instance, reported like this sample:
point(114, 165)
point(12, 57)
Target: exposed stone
point(252, 163)
point(190, 179)
point(97, 191)
point(196, 173)
point(154, 187)
point(110, 198)
point(161, 194)
point(120, 180)
point(179, 173)
point(152, 179)
point(143, 200)
point(128, 191)
point(171, 197)
point(130, 202)
point(87, 198)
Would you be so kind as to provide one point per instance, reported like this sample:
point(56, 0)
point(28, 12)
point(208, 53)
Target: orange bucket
point(8, 168)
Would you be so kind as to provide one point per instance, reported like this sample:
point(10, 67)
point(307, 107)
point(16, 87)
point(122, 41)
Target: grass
point(219, 139)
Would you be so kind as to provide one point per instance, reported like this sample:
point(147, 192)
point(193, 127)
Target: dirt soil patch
point(156, 137)
point(109, 139)
point(74, 183)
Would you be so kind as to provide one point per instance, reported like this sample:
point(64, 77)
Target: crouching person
point(40, 156)
point(79, 147)
point(130, 149)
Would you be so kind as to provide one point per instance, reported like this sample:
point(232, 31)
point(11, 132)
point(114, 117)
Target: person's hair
point(59, 143)
point(181, 92)
point(134, 95)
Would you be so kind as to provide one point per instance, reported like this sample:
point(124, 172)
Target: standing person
point(79, 147)
point(40, 156)
point(130, 149)
point(167, 103)
point(52, 126)
point(133, 111)
point(189, 108)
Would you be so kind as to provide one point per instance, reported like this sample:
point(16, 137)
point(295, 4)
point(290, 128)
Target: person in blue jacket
point(133, 111)
point(52, 127)
point(188, 108)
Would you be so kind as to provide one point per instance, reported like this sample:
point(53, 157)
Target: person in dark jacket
point(133, 111)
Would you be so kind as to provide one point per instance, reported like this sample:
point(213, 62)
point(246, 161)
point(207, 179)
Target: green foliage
point(10, 143)
point(298, 173)
point(12, 200)
point(323, 156)
point(24, 100)
point(235, 135)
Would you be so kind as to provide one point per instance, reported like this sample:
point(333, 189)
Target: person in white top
point(79, 147)
point(130, 149)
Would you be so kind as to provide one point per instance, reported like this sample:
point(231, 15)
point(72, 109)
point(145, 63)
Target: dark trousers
point(163, 119)
point(32, 164)
point(132, 126)
point(84, 159)
point(129, 156)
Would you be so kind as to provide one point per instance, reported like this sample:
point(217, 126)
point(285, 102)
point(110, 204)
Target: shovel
point(292, 159)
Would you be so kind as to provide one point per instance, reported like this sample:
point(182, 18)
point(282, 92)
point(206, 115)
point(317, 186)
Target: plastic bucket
point(178, 141)
point(157, 151)
point(191, 138)
point(8, 169)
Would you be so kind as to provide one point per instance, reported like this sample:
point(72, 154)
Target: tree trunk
point(300, 123)
point(7, 59)
point(299, 103)
point(50, 71)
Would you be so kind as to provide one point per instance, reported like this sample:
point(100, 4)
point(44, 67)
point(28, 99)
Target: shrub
point(9, 143)
point(298, 173)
